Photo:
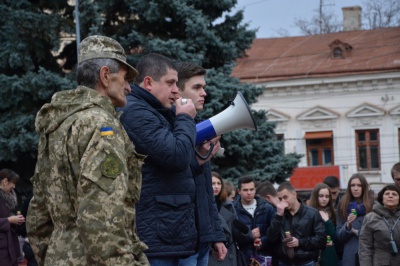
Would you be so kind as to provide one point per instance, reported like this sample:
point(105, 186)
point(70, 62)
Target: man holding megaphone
point(164, 130)
point(191, 84)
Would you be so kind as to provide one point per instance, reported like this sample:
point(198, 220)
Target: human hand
point(329, 244)
point(350, 220)
point(16, 219)
point(354, 231)
point(294, 243)
point(256, 232)
point(257, 243)
point(205, 147)
point(219, 251)
point(324, 215)
point(273, 200)
point(280, 207)
point(185, 108)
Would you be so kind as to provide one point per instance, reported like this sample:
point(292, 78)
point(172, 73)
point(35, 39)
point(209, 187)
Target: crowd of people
point(119, 181)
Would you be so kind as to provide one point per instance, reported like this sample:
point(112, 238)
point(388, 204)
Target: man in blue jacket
point(166, 134)
point(256, 214)
point(191, 84)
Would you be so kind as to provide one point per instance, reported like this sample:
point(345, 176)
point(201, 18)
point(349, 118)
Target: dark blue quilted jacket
point(165, 214)
point(262, 218)
point(208, 221)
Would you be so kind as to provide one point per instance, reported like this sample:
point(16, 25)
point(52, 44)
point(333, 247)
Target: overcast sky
point(271, 15)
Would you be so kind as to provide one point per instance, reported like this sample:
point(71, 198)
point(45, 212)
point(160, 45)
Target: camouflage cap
point(97, 46)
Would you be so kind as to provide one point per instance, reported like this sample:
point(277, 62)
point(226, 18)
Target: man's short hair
point(244, 180)
point(395, 169)
point(154, 66)
point(266, 188)
point(229, 187)
point(332, 181)
point(286, 185)
point(88, 72)
point(187, 70)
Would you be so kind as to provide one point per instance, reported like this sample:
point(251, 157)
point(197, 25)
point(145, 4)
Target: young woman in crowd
point(227, 214)
point(380, 232)
point(9, 244)
point(353, 207)
point(321, 199)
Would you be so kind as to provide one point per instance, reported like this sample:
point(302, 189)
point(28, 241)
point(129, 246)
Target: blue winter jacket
point(208, 221)
point(166, 210)
point(262, 218)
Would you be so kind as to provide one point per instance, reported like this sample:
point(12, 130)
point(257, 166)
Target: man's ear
point(147, 83)
point(104, 75)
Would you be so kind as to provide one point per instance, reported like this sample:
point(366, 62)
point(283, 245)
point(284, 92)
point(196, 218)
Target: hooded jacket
point(375, 237)
point(166, 211)
point(86, 183)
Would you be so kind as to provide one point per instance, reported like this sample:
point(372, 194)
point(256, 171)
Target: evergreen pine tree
point(187, 30)
point(29, 75)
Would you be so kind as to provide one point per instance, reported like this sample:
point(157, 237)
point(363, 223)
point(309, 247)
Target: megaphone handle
point(205, 157)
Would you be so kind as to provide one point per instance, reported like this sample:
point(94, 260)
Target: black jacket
point(307, 226)
point(227, 215)
point(166, 211)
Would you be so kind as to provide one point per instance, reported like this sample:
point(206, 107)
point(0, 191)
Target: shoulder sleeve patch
point(111, 166)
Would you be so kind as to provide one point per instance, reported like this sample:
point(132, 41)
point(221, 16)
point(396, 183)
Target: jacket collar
point(149, 98)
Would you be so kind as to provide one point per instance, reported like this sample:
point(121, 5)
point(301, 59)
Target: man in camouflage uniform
point(88, 175)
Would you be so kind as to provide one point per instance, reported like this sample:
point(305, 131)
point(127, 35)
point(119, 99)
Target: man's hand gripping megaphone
point(208, 149)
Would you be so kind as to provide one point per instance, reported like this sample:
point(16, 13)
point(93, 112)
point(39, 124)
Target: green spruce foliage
point(188, 30)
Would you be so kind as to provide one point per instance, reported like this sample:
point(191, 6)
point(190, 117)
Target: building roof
point(358, 52)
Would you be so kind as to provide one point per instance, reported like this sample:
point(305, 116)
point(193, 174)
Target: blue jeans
point(198, 259)
point(311, 263)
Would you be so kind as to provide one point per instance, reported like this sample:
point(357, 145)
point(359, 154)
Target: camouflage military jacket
point(86, 183)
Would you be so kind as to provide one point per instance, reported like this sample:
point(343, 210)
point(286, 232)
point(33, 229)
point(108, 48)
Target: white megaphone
point(236, 116)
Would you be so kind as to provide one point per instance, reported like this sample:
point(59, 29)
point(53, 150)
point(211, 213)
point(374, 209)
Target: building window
point(281, 139)
point(337, 53)
point(319, 148)
point(367, 143)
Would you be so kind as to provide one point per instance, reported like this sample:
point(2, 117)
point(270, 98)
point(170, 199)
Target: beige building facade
point(335, 98)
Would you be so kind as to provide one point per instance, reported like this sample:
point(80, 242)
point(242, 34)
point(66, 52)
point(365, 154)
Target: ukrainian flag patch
point(106, 131)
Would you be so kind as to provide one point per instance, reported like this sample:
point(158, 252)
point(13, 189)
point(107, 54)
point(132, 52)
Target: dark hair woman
point(380, 232)
point(227, 214)
point(353, 207)
point(321, 199)
point(9, 244)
